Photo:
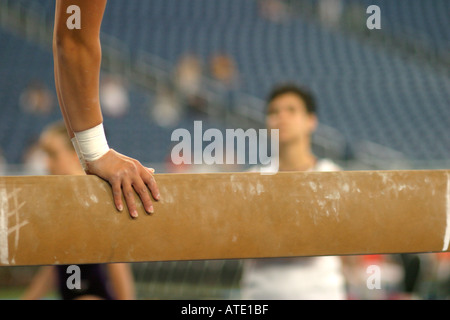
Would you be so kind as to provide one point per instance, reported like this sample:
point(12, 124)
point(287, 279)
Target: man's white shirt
point(302, 278)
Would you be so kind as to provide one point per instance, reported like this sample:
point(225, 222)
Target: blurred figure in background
point(98, 281)
point(188, 75)
point(188, 82)
point(114, 96)
point(37, 98)
point(166, 109)
point(224, 69)
point(33, 159)
point(274, 10)
point(292, 110)
point(330, 12)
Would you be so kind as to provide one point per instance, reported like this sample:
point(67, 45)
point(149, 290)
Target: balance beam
point(50, 220)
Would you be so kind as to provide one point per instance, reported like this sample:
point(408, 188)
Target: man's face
point(288, 113)
point(61, 159)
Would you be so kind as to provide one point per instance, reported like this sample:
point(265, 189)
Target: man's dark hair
point(303, 93)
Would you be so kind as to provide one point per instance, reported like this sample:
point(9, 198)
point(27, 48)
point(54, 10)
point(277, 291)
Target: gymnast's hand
point(126, 176)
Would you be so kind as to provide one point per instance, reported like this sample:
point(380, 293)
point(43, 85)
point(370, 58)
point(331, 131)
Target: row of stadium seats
point(365, 91)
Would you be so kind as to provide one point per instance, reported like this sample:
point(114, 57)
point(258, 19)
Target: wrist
point(91, 144)
point(76, 146)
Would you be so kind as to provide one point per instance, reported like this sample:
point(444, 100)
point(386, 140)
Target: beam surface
point(72, 220)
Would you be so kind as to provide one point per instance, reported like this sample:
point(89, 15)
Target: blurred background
point(383, 98)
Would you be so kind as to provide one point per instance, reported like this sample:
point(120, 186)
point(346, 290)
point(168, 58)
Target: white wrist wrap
point(77, 149)
point(92, 143)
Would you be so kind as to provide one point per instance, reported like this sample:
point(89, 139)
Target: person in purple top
point(94, 283)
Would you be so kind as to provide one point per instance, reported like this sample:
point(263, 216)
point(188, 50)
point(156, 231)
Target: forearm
point(59, 95)
point(78, 85)
point(77, 58)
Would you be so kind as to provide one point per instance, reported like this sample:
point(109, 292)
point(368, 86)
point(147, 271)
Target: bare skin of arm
point(41, 284)
point(122, 281)
point(77, 60)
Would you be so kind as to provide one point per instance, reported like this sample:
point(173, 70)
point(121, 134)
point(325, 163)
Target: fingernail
point(134, 214)
point(120, 207)
point(150, 209)
point(158, 196)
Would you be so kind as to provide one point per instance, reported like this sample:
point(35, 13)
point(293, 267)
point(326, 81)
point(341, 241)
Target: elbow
point(70, 45)
point(62, 45)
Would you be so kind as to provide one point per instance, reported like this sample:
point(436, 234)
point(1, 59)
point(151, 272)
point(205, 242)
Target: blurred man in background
point(292, 110)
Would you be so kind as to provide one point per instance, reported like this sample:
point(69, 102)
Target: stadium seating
point(366, 92)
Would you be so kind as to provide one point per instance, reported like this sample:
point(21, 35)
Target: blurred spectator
point(330, 12)
point(33, 159)
point(224, 70)
point(166, 110)
point(188, 82)
point(274, 10)
point(97, 281)
point(37, 98)
point(188, 75)
point(292, 110)
point(114, 97)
